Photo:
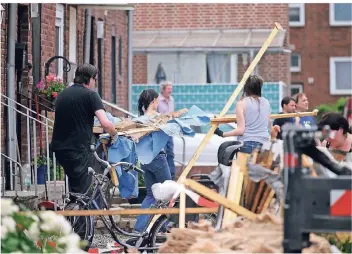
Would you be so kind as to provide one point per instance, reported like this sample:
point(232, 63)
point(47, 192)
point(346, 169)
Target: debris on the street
point(264, 235)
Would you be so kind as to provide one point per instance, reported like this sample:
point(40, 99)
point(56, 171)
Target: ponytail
point(146, 97)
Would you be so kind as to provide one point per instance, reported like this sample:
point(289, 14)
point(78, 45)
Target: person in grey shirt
point(253, 117)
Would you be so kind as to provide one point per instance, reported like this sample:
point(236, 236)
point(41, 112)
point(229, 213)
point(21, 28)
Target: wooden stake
point(232, 118)
point(132, 211)
point(230, 101)
point(182, 216)
point(212, 195)
point(231, 192)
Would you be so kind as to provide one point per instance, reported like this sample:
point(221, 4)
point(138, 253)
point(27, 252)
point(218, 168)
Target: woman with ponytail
point(158, 170)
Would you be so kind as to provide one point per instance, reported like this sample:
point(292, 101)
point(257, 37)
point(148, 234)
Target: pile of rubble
point(264, 235)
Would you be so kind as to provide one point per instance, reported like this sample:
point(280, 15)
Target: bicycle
point(94, 199)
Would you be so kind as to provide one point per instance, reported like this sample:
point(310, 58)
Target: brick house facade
point(173, 17)
point(62, 30)
point(317, 40)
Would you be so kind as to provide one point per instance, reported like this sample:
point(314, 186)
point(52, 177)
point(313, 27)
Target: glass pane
point(295, 90)
point(343, 75)
point(294, 14)
point(343, 12)
point(219, 68)
point(294, 61)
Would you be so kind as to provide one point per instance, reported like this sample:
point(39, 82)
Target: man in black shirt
point(288, 106)
point(75, 109)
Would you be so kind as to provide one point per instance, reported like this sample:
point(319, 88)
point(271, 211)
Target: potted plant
point(49, 89)
point(42, 168)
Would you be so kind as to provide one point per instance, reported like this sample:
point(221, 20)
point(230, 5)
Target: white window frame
point(333, 89)
point(296, 68)
point(73, 35)
point(296, 85)
point(333, 22)
point(301, 15)
point(234, 69)
point(59, 22)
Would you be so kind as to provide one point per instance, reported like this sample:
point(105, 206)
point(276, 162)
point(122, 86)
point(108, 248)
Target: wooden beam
point(212, 195)
point(232, 118)
point(230, 101)
point(132, 211)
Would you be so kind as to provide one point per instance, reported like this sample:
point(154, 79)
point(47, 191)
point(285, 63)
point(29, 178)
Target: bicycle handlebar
point(130, 166)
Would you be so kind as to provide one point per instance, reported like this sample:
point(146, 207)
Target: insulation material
point(264, 235)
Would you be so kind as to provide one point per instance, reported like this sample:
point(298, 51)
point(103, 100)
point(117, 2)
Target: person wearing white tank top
point(253, 117)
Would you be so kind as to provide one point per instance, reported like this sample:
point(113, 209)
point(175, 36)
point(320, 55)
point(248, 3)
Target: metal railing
point(34, 122)
point(119, 108)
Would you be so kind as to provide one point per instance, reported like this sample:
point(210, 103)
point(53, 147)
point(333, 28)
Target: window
point(73, 35)
point(296, 88)
point(195, 67)
point(295, 62)
point(296, 15)
point(340, 75)
point(113, 66)
point(340, 14)
point(59, 33)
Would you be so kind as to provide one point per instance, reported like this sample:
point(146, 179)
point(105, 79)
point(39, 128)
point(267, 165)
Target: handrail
point(26, 108)
point(118, 108)
point(41, 104)
point(30, 116)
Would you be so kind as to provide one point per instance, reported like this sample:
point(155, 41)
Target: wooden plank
point(182, 216)
point(212, 195)
point(231, 192)
point(232, 118)
point(230, 101)
point(133, 211)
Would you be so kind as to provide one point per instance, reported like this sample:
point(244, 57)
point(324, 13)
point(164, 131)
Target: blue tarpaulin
point(149, 146)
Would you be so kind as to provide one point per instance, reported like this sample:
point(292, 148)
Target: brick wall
point(317, 41)
point(48, 36)
point(215, 16)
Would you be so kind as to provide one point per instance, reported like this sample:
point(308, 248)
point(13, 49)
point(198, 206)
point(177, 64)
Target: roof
point(204, 39)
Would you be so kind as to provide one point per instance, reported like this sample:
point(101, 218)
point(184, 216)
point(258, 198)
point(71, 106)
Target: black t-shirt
point(281, 122)
point(74, 118)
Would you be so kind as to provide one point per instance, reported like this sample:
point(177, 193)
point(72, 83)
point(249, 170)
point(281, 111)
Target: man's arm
point(107, 125)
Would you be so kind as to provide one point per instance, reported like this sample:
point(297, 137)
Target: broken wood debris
point(262, 235)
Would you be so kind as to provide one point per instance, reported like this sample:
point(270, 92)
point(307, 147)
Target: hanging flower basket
point(48, 91)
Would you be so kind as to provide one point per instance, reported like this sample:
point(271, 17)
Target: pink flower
point(41, 85)
point(50, 77)
point(59, 79)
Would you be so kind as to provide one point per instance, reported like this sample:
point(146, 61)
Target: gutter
point(11, 120)
point(87, 34)
point(200, 49)
point(130, 59)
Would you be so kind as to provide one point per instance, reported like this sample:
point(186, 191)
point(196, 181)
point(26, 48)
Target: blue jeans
point(169, 149)
point(249, 146)
point(155, 172)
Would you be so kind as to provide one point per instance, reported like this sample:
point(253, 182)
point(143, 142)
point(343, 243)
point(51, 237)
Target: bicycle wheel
point(159, 232)
point(81, 225)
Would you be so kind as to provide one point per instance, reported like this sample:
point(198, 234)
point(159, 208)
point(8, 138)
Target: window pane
point(219, 68)
point(294, 14)
point(343, 12)
point(294, 60)
point(295, 90)
point(343, 75)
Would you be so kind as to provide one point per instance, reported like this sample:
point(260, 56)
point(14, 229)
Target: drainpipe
point(130, 59)
point(11, 125)
point(2, 174)
point(87, 35)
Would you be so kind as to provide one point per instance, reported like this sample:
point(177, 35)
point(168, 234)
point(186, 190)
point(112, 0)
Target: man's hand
point(114, 138)
point(219, 132)
point(274, 131)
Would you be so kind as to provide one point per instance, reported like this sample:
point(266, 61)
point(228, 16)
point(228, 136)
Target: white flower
point(72, 242)
point(33, 232)
point(54, 223)
point(8, 223)
point(3, 231)
point(8, 207)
